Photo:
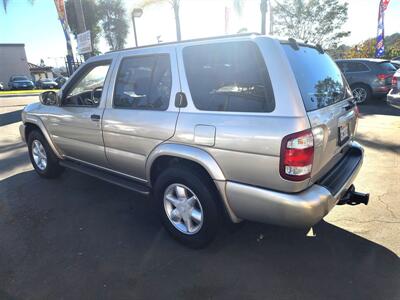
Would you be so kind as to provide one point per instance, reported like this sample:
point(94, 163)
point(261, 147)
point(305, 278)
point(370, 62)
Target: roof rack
point(191, 40)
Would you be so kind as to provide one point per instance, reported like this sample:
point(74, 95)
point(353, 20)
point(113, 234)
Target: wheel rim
point(183, 209)
point(360, 94)
point(39, 155)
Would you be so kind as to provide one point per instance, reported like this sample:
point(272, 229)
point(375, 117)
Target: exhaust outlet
point(354, 198)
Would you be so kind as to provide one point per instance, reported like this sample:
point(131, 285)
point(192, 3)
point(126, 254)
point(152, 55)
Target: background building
point(13, 61)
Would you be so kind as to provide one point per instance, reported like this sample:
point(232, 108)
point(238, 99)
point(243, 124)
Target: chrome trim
point(22, 132)
point(105, 169)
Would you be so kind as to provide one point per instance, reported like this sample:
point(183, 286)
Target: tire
point(361, 92)
point(205, 225)
point(42, 157)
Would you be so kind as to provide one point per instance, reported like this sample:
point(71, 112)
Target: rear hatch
point(386, 71)
point(327, 100)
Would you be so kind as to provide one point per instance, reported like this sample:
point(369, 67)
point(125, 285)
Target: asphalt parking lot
point(80, 238)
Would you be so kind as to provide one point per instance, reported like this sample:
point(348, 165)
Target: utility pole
point(271, 19)
point(263, 9)
point(80, 19)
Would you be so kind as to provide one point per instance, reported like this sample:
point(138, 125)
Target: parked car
point(367, 77)
point(20, 82)
point(248, 127)
point(1, 86)
point(397, 58)
point(395, 63)
point(61, 80)
point(394, 95)
point(46, 83)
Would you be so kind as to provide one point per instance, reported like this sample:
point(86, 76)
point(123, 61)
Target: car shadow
point(378, 106)
point(10, 117)
point(77, 237)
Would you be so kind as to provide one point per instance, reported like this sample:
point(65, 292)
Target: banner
point(63, 20)
point(380, 46)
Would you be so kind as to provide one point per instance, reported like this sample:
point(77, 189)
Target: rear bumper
point(302, 209)
point(394, 97)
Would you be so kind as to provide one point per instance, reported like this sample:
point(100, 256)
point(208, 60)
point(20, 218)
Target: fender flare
point(187, 152)
point(34, 120)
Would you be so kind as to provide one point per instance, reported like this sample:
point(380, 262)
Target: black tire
point(52, 168)
point(205, 192)
point(363, 88)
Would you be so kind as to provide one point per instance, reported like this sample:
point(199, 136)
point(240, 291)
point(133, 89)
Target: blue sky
point(39, 28)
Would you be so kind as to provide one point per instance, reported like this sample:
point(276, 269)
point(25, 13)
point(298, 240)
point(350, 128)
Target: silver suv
point(246, 127)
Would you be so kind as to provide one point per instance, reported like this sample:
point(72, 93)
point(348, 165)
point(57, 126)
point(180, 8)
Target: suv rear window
point(387, 67)
point(319, 79)
point(228, 76)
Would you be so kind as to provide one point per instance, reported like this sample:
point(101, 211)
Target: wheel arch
point(34, 123)
point(171, 154)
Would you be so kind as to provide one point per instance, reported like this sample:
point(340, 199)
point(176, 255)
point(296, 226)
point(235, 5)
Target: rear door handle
point(95, 117)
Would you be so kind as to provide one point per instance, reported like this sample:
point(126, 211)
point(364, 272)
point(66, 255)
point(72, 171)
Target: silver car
point(394, 95)
point(244, 127)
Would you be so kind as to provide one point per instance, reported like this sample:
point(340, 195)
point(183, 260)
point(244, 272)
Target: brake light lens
point(297, 154)
point(383, 76)
point(394, 81)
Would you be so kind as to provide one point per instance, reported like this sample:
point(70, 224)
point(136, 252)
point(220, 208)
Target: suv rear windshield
point(319, 79)
point(387, 67)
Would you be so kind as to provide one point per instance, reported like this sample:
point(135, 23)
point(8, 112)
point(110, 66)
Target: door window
point(143, 83)
point(88, 88)
point(228, 77)
point(356, 67)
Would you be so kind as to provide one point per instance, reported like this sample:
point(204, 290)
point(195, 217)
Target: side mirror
point(49, 98)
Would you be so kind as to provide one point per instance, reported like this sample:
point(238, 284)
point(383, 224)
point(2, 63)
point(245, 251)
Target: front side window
point(356, 67)
point(88, 88)
point(228, 76)
point(143, 83)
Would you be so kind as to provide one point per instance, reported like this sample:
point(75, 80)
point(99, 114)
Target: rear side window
point(319, 79)
point(387, 67)
point(356, 67)
point(143, 82)
point(228, 77)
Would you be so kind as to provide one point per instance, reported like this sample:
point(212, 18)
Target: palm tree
point(238, 6)
point(5, 4)
point(175, 7)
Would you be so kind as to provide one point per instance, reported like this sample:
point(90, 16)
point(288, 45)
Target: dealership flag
point(380, 47)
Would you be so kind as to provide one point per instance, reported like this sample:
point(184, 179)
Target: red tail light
point(297, 154)
point(383, 76)
point(394, 81)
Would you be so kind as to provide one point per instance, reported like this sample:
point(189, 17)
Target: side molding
point(38, 122)
point(187, 152)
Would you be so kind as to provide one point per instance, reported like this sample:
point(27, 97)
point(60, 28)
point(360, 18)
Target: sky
point(38, 27)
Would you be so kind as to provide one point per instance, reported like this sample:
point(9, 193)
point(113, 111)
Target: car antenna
point(293, 43)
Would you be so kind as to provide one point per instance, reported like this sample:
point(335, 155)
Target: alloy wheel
point(39, 155)
point(360, 94)
point(183, 208)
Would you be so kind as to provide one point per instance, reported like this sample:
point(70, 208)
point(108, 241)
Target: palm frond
point(5, 2)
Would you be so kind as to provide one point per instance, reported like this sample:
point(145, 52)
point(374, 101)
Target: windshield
point(319, 79)
point(16, 78)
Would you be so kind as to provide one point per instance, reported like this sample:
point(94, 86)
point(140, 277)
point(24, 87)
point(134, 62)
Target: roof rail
point(190, 40)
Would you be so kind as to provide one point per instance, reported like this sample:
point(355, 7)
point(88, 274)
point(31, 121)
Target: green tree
point(175, 6)
point(315, 21)
point(92, 18)
point(114, 23)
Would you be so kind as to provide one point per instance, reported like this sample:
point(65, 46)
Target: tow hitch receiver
point(354, 198)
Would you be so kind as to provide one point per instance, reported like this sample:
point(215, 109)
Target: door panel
point(140, 113)
point(75, 126)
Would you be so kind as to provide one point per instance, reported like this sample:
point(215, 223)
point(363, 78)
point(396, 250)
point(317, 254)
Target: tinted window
point(319, 79)
point(88, 88)
point(17, 78)
point(387, 67)
point(356, 67)
point(143, 82)
point(228, 77)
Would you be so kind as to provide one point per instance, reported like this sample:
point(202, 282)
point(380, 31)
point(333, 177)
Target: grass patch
point(22, 92)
